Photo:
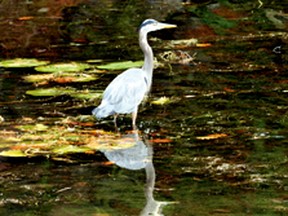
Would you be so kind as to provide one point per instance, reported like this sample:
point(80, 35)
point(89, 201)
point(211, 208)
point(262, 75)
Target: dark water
point(219, 147)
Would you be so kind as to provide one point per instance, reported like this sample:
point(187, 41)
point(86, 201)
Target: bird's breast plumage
point(126, 91)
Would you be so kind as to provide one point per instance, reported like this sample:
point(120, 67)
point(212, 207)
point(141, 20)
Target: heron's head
point(150, 25)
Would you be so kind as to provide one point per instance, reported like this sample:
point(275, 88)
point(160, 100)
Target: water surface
point(218, 148)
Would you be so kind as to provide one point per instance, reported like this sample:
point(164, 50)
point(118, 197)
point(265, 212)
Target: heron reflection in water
point(137, 157)
point(124, 94)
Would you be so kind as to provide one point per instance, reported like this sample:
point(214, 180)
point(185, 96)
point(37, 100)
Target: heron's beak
point(166, 25)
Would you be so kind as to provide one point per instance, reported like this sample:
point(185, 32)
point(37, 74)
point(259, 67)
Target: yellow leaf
point(212, 136)
point(161, 101)
point(203, 44)
point(12, 153)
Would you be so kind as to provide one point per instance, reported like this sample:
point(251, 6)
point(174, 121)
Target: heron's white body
point(125, 98)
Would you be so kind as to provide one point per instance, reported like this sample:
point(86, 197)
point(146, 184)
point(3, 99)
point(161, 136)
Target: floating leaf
point(74, 78)
point(67, 149)
point(121, 65)
point(12, 153)
point(33, 127)
point(48, 92)
point(94, 60)
point(108, 163)
point(203, 45)
point(63, 67)
point(25, 18)
point(212, 136)
point(63, 78)
point(87, 95)
point(22, 63)
point(7, 138)
point(162, 101)
point(37, 78)
point(159, 140)
point(53, 92)
point(33, 146)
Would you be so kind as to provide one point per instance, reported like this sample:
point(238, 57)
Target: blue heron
point(124, 94)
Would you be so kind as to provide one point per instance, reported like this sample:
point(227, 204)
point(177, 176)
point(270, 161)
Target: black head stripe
point(147, 22)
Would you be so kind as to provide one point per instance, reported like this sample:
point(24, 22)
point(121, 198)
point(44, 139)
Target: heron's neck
point(148, 57)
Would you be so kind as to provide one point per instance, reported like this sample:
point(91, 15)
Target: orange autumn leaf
point(108, 163)
point(80, 40)
point(212, 136)
point(159, 140)
point(19, 147)
point(229, 90)
point(27, 119)
point(86, 124)
point(63, 79)
point(24, 18)
point(203, 44)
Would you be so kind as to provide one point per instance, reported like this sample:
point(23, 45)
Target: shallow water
point(219, 145)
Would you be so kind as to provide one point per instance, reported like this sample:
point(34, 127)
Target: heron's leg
point(134, 117)
point(115, 122)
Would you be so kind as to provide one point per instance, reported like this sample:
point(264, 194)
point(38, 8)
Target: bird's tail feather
point(103, 111)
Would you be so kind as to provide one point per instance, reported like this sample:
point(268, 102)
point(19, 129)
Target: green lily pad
point(121, 65)
point(12, 153)
point(63, 67)
point(94, 60)
point(87, 95)
point(22, 63)
point(53, 92)
point(82, 78)
point(48, 92)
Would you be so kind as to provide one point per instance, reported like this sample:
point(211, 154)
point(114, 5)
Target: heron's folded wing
point(127, 90)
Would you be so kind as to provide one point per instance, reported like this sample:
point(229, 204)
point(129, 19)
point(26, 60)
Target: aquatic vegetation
point(120, 65)
point(63, 67)
point(61, 138)
point(22, 62)
point(62, 78)
point(57, 91)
